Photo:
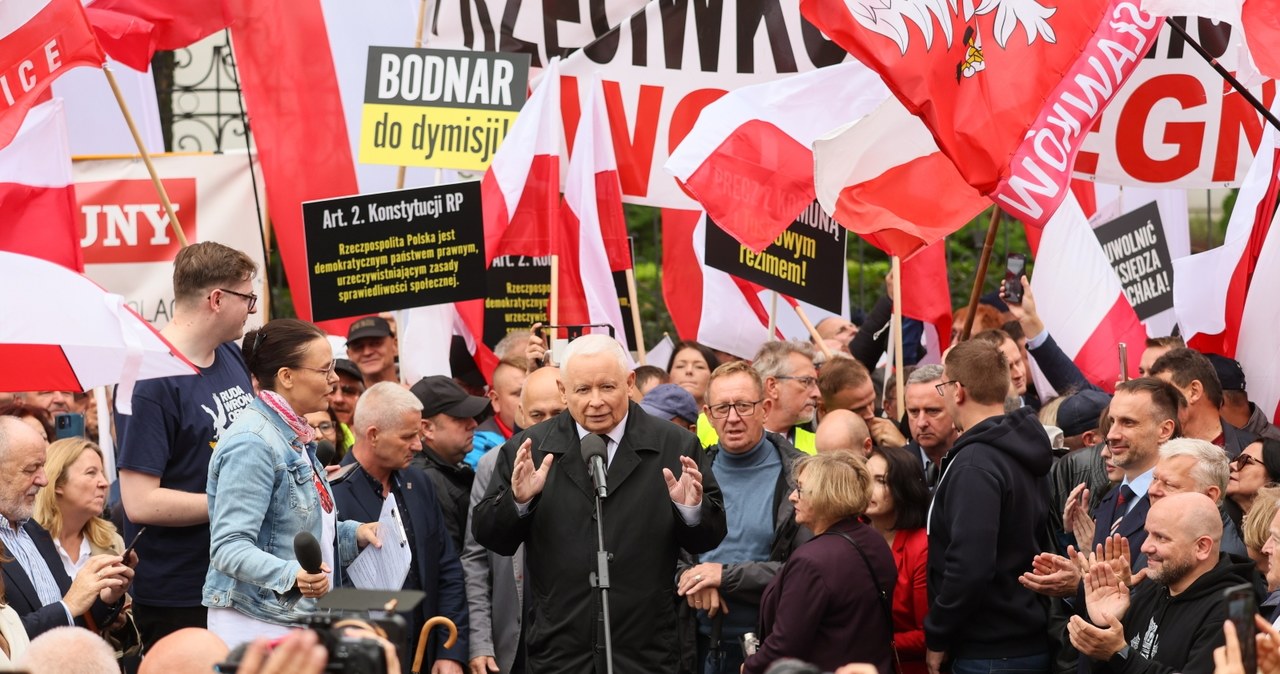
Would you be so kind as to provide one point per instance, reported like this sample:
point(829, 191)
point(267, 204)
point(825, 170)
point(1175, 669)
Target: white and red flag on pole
point(591, 242)
point(132, 31)
point(748, 160)
point(926, 293)
point(39, 40)
point(1080, 299)
point(37, 196)
point(1008, 88)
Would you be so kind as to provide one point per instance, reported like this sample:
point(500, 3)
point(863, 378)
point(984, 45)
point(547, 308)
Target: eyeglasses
point(1244, 461)
point(802, 492)
point(251, 298)
point(942, 388)
point(323, 426)
point(326, 371)
point(803, 381)
point(744, 409)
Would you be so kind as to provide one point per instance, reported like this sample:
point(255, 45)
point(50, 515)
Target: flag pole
point(635, 313)
point(981, 275)
point(813, 332)
point(1235, 83)
point(146, 158)
point(417, 44)
point(773, 315)
point(553, 308)
point(899, 385)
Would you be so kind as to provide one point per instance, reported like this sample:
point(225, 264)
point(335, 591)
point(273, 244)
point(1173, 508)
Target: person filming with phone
point(1171, 620)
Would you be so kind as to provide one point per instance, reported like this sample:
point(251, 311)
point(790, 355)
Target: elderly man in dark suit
point(662, 497)
point(386, 424)
point(36, 586)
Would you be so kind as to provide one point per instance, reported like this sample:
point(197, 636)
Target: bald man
point(540, 399)
point(843, 429)
point(1172, 620)
point(188, 651)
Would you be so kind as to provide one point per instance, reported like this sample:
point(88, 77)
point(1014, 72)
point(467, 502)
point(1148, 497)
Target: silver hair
point(925, 374)
point(69, 650)
point(771, 359)
point(1211, 467)
point(382, 405)
point(592, 344)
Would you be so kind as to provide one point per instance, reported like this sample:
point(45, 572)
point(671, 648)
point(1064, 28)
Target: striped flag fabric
point(37, 194)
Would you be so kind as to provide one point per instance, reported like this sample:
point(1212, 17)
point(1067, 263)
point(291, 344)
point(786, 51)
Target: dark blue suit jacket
point(439, 568)
point(20, 592)
point(1132, 527)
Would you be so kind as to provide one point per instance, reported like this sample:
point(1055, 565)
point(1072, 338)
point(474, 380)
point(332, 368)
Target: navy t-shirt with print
point(175, 425)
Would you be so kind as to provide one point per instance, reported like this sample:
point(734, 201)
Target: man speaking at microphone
point(661, 497)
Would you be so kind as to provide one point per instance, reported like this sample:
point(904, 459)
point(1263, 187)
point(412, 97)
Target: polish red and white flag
point(39, 40)
point(132, 31)
point(1008, 88)
point(749, 160)
point(37, 195)
point(591, 242)
point(1080, 299)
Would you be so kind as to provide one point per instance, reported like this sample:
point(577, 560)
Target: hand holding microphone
point(313, 578)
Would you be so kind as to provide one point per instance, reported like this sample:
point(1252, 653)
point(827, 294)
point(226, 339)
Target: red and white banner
point(926, 293)
point(884, 178)
point(39, 40)
point(1009, 110)
point(1080, 298)
point(748, 160)
point(124, 232)
point(1176, 123)
point(36, 195)
point(592, 240)
point(132, 31)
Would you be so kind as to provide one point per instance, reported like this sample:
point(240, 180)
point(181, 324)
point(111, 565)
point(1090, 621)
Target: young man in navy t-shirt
point(166, 444)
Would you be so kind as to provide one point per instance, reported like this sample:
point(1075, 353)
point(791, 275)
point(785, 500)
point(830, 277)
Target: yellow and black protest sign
point(806, 261)
point(438, 107)
point(394, 250)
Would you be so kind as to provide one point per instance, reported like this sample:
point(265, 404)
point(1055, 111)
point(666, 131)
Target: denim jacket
point(261, 494)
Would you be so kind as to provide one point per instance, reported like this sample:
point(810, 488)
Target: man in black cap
point(673, 403)
point(345, 394)
point(1236, 408)
point(448, 426)
point(1194, 376)
point(371, 345)
point(1079, 416)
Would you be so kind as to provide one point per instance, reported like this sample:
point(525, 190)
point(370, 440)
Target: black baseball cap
point(1230, 374)
point(344, 366)
point(443, 395)
point(369, 326)
point(1080, 411)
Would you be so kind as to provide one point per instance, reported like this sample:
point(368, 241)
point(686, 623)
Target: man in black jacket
point(662, 497)
point(1172, 621)
point(986, 518)
point(723, 586)
point(448, 429)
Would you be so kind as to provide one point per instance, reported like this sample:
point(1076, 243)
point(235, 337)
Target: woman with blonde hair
point(830, 603)
point(70, 507)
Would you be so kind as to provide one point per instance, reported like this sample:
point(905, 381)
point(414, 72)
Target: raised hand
point(1075, 516)
point(1105, 594)
point(526, 481)
point(688, 489)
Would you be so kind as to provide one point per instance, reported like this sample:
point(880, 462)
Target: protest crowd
point(378, 420)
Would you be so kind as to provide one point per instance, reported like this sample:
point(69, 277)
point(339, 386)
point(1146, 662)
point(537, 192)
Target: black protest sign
point(1136, 246)
point(805, 262)
point(394, 250)
point(519, 290)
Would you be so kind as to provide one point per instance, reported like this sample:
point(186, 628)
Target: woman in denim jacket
point(265, 486)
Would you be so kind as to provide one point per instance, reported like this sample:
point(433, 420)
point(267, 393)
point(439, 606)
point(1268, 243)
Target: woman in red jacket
point(898, 509)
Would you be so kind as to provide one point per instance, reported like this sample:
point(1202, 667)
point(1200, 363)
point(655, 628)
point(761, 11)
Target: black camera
point(348, 654)
point(793, 666)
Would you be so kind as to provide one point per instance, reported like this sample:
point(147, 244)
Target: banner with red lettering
point(1176, 123)
point(125, 235)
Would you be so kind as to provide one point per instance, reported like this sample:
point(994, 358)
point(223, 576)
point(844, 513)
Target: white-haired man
point(662, 497)
point(1192, 465)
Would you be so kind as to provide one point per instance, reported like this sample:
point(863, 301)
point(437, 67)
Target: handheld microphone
point(307, 550)
point(593, 452)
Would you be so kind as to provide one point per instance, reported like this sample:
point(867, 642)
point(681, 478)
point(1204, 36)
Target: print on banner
point(441, 108)
point(394, 250)
point(519, 289)
point(124, 221)
point(1135, 245)
point(805, 262)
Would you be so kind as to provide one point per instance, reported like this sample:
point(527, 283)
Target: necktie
point(1123, 498)
point(931, 475)
point(607, 456)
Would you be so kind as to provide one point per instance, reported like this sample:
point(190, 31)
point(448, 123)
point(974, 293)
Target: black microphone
point(307, 550)
point(593, 452)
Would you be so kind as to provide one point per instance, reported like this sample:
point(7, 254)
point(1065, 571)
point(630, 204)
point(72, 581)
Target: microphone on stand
point(594, 453)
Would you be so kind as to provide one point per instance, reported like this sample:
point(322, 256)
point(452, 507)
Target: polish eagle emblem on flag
point(890, 18)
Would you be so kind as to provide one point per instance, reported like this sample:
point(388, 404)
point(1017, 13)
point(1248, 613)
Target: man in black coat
point(661, 497)
point(386, 423)
point(36, 585)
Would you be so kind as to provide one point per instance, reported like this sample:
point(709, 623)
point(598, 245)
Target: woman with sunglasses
point(266, 487)
point(1257, 465)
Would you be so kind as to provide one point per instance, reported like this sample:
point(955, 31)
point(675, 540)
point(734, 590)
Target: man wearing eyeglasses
point(722, 587)
point(166, 444)
point(791, 386)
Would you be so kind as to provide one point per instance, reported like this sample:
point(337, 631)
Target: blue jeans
point(1027, 664)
